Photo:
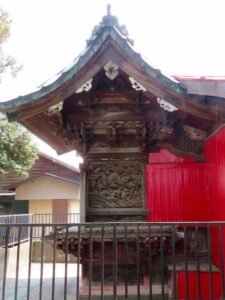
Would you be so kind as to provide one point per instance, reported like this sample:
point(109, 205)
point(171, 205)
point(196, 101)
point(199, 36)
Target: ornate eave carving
point(194, 133)
point(85, 87)
point(136, 85)
point(55, 108)
point(111, 70)
point(166, 105)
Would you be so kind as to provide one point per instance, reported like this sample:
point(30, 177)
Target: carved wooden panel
point(116, 218)
point(115, 184)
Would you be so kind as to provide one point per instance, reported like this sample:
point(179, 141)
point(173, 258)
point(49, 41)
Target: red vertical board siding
point(193, 286)
point(176, 192)
point(185, 190)
point(215, 154)
point(214, 150)
point(164, 156)
point(181, 190)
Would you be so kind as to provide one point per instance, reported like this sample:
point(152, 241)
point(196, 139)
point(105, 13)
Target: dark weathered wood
point(182, 103)
point(157, 89)
point(118, 116)
point(116, 100)
point(177, 152)
point(48, 133)
point(119, 212)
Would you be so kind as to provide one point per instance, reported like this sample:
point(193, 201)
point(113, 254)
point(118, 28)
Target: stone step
point(132, 293)
point(130, 297)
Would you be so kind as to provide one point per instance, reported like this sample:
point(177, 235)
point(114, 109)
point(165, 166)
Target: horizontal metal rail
point(16, 219)
point(13, 234)
point(121, 260)
point(40, 218)
point(55, 218)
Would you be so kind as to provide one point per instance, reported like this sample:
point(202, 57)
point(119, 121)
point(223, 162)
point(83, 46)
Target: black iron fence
point(55, 218)
point(40, 218)
point(13, 231)
point(114, 261)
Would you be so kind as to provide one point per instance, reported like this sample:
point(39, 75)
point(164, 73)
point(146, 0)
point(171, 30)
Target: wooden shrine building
point(114, 109)
point(147, 139)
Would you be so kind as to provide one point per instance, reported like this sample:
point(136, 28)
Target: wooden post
point(83, 183)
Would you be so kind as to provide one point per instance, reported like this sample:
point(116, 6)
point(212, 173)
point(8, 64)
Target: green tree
point(6, 61)
point(17, 153)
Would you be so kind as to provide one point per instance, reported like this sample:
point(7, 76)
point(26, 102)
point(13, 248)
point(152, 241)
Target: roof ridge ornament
point(108, 7)
point(109, 21)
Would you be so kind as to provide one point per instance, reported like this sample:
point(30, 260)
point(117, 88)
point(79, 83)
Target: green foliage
point(4, 26)
point(6, 61)
point(17, 153)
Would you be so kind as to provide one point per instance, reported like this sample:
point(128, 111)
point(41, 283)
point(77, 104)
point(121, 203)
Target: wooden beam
point(159, 90)
point(40, 128)
point(118, 116)
point(196, 156)
point(66, 90)
point(97, 62)
point(181, 103)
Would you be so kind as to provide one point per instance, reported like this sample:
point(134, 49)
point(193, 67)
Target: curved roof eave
point(67, 74)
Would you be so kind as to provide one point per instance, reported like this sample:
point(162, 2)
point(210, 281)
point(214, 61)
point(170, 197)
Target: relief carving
point(111, 70)
point(115, 185)
point(166, 105)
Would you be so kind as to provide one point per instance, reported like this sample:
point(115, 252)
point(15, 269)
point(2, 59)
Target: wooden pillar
point(83, 189)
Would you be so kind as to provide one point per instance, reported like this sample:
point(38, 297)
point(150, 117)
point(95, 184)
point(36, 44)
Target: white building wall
point(47, 188)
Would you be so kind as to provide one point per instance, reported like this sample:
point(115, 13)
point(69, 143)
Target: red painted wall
point(182, 190)
point(215, 153)
point(193, 286)
point(214, 150)
point(164, 156)
point(175, 189)
point(179, 189)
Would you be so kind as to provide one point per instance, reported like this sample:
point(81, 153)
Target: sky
point(180, 37)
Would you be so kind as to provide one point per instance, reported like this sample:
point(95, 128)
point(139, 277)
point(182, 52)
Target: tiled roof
point(44, 164)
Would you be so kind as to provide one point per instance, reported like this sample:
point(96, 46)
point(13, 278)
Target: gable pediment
point(112, 85)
